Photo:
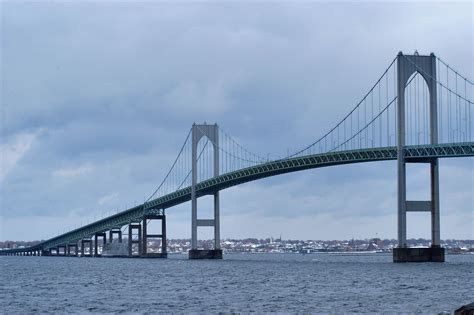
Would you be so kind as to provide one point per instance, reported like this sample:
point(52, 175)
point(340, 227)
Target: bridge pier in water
point(72, 245)
point(426, 67)
point(61, 250)
point(212, 133)
point(132, 227)
point(96, 243)
point(83, 251)
point(144, 239)
point(115, 231)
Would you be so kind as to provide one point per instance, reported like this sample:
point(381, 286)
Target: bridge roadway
point(271, 168)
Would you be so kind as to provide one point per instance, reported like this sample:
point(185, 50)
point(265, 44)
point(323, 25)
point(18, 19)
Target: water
point(239, 283)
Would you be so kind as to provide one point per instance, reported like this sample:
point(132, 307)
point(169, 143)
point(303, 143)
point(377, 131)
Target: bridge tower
point(407, 65)
point(212, 133)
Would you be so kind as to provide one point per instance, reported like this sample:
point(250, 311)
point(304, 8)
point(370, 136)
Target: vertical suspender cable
point(456, 111)
point(380, 122)
point(440, 98)
point(468, 114)
point(448, 101)
point(388, 111)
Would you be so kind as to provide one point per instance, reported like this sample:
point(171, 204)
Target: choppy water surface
point(239, 283)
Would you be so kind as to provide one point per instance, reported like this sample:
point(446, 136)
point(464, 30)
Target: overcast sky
point(97, 97)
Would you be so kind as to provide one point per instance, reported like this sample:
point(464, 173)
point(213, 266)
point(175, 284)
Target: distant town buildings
point(271, 245)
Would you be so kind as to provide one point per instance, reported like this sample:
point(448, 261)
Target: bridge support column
point(131, 241)
point(96, 243)
point(162, 236)
point(115, 231)
point(426, 66)
point(212, 133)
point(63, 248)
point(83, 252)
point(76, 252)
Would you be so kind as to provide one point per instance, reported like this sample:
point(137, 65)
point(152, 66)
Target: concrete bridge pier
point(83, 252)
point(115, 231)
point(76, 252)
point(132, 227)
point(63, 248)
point(96, 243)
point(145, 236)
point(426, 66)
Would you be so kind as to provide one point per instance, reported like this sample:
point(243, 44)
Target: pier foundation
point(410, 254)
point(205, 254)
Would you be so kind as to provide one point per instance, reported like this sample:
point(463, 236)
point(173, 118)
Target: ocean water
point(239, 283)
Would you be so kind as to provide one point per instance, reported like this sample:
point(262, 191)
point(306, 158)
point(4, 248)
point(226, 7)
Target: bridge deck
point(264, 170)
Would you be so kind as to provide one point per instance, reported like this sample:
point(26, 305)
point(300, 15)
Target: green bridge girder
point(244, 175)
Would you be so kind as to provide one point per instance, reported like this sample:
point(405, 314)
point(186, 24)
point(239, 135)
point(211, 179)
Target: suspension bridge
point(417, 111)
